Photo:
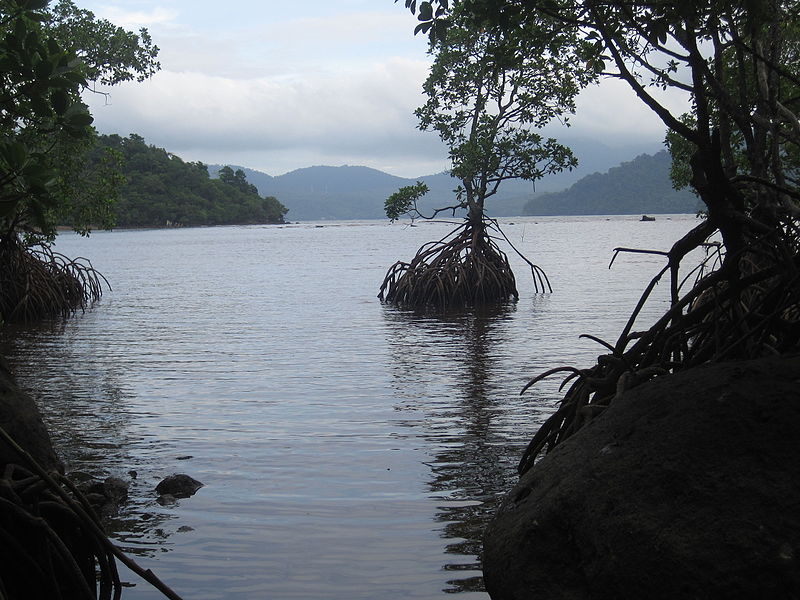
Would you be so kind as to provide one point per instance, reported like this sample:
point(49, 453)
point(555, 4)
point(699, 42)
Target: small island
point(161, 190)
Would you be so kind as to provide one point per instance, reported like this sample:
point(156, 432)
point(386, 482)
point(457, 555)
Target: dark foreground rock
point(686, 487)
point(178, 486)
point(21, 419)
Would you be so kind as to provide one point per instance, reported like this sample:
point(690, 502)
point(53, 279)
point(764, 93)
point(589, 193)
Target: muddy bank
point(687, 487)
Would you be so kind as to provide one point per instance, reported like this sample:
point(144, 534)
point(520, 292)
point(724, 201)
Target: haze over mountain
point(353, 192)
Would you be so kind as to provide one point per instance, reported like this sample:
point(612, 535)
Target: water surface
point(348, 449)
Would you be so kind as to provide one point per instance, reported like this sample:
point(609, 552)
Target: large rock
point(178, 485)
point(686, 487)
point(20, 418)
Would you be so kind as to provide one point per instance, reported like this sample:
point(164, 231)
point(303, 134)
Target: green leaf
point(40, 107)
point(15, 154)
point(423, 27)
point(425, 11)
point(61, 82)
point(439, 30)
point(35, 4)
point(20, 33)
point(60, 100)
point(404, 200)
point(73, 77)
point(43, 69)
point(80, 119)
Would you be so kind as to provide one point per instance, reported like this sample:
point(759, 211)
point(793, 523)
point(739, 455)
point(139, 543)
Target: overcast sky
point(276, 85)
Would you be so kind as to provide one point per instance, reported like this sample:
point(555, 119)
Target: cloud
point(359, 115)
point(134, 19)
point(290, 85)
point(613, 113)
point(266, 48)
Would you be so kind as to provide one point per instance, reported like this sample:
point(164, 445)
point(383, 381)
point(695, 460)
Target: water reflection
point(84, 404)
point(456, 358)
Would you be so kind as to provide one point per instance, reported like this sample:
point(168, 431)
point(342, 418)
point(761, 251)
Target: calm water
point(348, 449)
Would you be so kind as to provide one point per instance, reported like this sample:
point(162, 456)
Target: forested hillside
point(161, 190)
point(639, 186)
point(353, 192)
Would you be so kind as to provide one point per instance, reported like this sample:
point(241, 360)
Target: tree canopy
point(736, 65)
point(487, 98)
point(110, 54)
point(162, 190)
point(48, 58)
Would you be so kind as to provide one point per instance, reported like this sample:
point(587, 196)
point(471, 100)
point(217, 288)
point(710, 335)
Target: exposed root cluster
point(36, 282)
point(52, 544)
point(739, 306)
point(465, 268)
point(47, 550)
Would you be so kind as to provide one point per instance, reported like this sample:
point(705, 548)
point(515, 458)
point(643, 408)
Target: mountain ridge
point(639, 186)
point(326, 192)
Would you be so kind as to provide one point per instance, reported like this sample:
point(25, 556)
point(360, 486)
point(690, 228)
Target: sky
point(279, 85)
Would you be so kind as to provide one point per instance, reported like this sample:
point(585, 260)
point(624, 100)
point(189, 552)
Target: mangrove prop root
point(51, 542)
point(36, 282)
point(465, 268)
point(740, 305)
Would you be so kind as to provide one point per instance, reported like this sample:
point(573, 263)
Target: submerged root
point(36, 282)
point(466, 268)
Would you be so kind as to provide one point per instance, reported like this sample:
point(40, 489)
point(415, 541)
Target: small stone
point(93, 487)
point(115, 489)
point(786, 553)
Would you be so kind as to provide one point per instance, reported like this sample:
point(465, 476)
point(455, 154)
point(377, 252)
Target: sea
point(348, 449)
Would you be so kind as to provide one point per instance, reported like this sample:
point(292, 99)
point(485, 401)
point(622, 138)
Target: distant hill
point(350, 192)
point(161, 190)
point(638, 186)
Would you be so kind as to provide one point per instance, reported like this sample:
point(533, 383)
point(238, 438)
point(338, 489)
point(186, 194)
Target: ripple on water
point(348, 450)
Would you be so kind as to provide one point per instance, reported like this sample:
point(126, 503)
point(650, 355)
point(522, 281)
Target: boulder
point(686, 487)
point(178, 486)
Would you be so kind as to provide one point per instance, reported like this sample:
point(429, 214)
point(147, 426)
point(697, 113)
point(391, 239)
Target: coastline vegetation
point(50, 55)
point(159, 189)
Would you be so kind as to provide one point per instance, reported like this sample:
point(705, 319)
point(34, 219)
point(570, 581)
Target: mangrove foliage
point(488, 97)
